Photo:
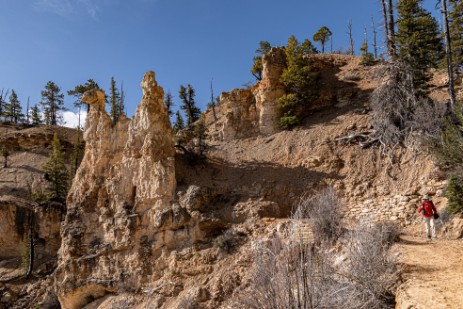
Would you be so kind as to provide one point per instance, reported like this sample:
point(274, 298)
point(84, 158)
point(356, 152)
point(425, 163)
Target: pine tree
point(35, 115)
point(77, 153)
point(456, 31)
point(114, 101)
point(79, 90)
point(179, 123)
point(121, 104)
point(57, 172)
point(454, 195)
point(257, 67)
point(52, 102)
point(300, 87)
point(366, 56)
point(168, 103)
point(46, 116)
point(189, 106)
point(418, 40)
point(13, 109)
point(323, 34)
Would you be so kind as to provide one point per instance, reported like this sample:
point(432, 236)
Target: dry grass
point(290, 273)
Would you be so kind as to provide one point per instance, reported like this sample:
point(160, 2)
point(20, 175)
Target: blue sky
point(183, 41)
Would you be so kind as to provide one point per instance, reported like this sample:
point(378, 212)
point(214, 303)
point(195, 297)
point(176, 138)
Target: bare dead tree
point(399, 113)
point(350, 49)
point(27, 110)
point(391, 31)
point(3, 96)
point(448, 52)
point(386, 26)
point(375, 45)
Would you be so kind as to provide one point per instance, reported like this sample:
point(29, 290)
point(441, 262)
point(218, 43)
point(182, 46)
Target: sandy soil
point(433, 272)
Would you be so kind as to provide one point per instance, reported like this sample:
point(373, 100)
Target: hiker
point(428, 209)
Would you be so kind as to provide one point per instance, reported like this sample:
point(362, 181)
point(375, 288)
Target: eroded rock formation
point(125, 182)
point(250, 112)
point(269, 90)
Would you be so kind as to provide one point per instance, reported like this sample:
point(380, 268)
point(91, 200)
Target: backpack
point(427, 208)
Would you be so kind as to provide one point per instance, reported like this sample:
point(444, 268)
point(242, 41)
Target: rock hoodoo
point(126, 179)
point(269, 90)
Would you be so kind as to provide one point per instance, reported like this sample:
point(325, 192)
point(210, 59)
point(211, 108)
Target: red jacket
point(428, 208)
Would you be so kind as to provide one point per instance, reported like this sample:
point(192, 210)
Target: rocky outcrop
point(236, 117)
point(269, 90)
point(244, 113)
point(249, 112)
point(125, 182)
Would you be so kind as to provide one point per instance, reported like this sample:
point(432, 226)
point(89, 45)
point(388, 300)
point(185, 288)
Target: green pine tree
point(52, 102)
point(13, 109)
point(35, 115)
point(366, 57)
point(79, 90)
point(179, 123)
point(257, 67)
point(301, 89)
point(114, 101)
point(323, 35)
point(456, 31)
point(189, 106)
point(168, 103)
point(454, 195)
point(57, 172)
point(419, 41)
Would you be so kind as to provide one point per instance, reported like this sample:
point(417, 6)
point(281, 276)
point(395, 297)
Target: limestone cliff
point(250, 112)
point(126, 179)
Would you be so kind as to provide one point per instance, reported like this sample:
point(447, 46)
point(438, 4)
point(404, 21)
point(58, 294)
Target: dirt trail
point(433, 272)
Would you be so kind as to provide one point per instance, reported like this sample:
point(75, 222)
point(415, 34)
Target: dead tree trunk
point(375, 45)
point(386, 26)
point(351, 40)
point(448, 52)
point(391, 30)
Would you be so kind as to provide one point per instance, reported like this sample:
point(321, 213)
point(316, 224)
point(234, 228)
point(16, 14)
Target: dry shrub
point(323, 211)
point(228, 240)
point(289, 273)
point(372, 271)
